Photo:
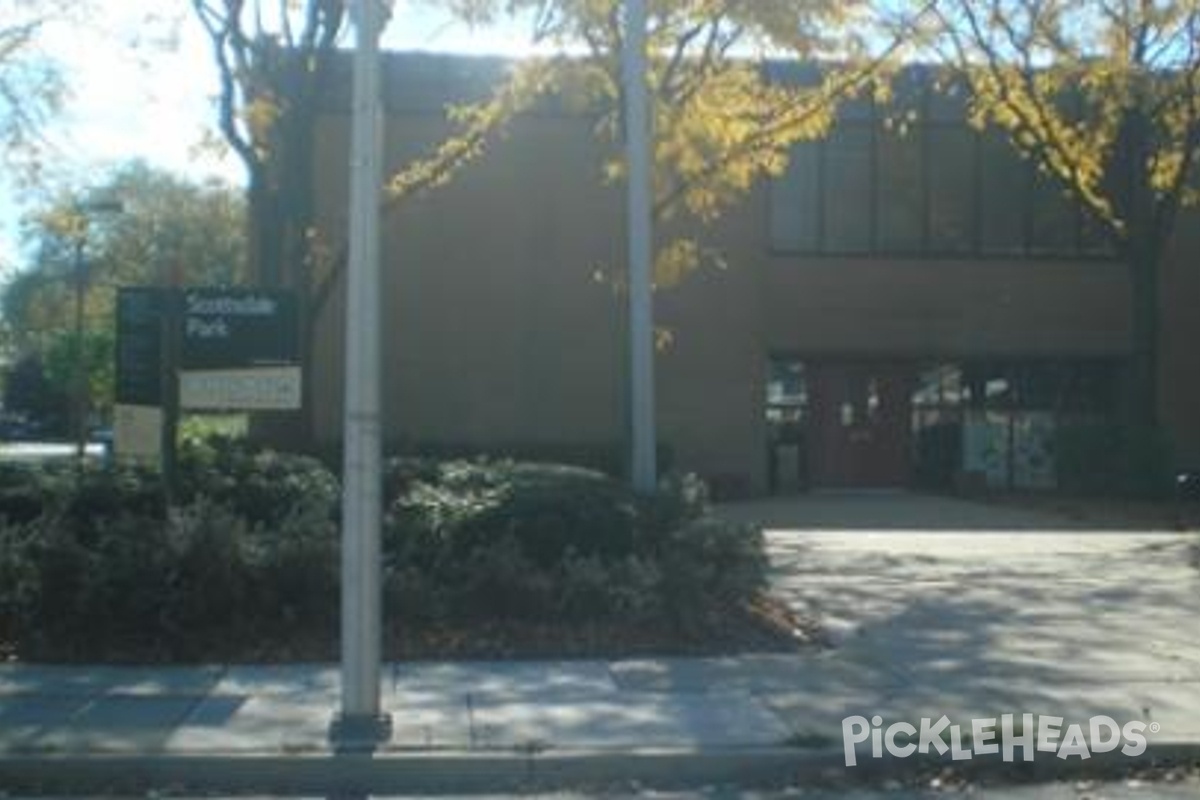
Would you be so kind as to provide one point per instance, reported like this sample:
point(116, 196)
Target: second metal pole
point(361, 725)
point(639, 146)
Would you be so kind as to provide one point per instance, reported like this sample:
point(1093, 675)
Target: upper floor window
point(913, 178)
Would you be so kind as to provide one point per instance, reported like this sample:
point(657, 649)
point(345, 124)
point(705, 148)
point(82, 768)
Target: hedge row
point(244, 565)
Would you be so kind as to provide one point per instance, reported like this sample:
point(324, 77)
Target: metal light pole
point(79, 389)
point(638, 141)
point(80, 396)
point(360, 725)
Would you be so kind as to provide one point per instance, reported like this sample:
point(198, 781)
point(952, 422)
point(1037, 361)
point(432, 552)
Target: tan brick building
point(893, 310)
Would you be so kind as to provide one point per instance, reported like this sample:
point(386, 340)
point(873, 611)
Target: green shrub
point(25, 491)
point(681, 499)
point(497, 581)
point(192, 586)
point(708, 564)
point(415, 595)
point(635, 589)
point(112, 492)
point(547, 509)
point(296, 568)
point(585, 588)
point(482, 539)
point(97, 583)
point(199, 429)
point(94, 565)
point(628, 590)
point(20, 582)
point(90, 493)
point(263, 486)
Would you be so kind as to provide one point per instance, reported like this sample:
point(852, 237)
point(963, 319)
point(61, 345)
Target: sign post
point(199, 349)
point(142, 377)
point(169, 434)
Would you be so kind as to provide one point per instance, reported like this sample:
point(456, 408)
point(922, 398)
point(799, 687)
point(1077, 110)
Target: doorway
point(859, 424)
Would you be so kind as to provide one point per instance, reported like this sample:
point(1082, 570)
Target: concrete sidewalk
point(502, 706)
point(970, 624)
point(459, 727)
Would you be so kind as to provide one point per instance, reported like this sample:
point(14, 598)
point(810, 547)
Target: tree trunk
point(1141, 247)
point(1146, 464)
point(1142, 378)
point(265, 231)
point(282, 212)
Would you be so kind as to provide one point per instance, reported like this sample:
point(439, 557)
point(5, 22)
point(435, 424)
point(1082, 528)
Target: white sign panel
point(257, 389)
point(137, 432)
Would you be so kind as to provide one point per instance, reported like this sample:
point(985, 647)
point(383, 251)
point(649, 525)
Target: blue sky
point(132, 98)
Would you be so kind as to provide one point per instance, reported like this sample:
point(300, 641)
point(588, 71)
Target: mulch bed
point(765, 626)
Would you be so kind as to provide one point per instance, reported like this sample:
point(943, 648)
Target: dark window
point(901, 177)
point(787, 400)
point(1055, 219)
point(846, 184)
point(1078, 386)
point(1021, 401)
point(951, 188)
point(795, 214)
point(1004, 186)
point(913, 177)
point(1093, 237)
point(786, 387)
point(787, 415)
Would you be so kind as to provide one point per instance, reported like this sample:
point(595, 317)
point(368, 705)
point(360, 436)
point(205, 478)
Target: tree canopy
point(1104, 96)
point(31, 86)
point(723, 119)
point(167, 229)
point(271, 59)
point(1079, 85)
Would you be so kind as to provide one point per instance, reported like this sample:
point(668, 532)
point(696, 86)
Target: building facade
point(903, 307)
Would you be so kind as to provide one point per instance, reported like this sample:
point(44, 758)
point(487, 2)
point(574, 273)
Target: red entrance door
point(860, 423)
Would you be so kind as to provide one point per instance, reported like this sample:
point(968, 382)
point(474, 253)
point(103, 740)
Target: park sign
point(238, 350)
point(138, 417)
point(140, 339)
point(232, 329)
point(228, 349)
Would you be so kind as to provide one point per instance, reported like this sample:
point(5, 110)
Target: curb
point(474, 772)
point(406, 772)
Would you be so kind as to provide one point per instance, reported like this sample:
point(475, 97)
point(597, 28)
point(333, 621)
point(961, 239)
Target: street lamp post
point(79, 387)
point(360, 726)
point(638, 142)
point(80, 396)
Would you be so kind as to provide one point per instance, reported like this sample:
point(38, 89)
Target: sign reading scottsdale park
point(237, 349)
point(237, 329)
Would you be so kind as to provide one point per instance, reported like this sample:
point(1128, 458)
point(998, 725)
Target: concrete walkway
point(998, 611)
point(941, 606)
